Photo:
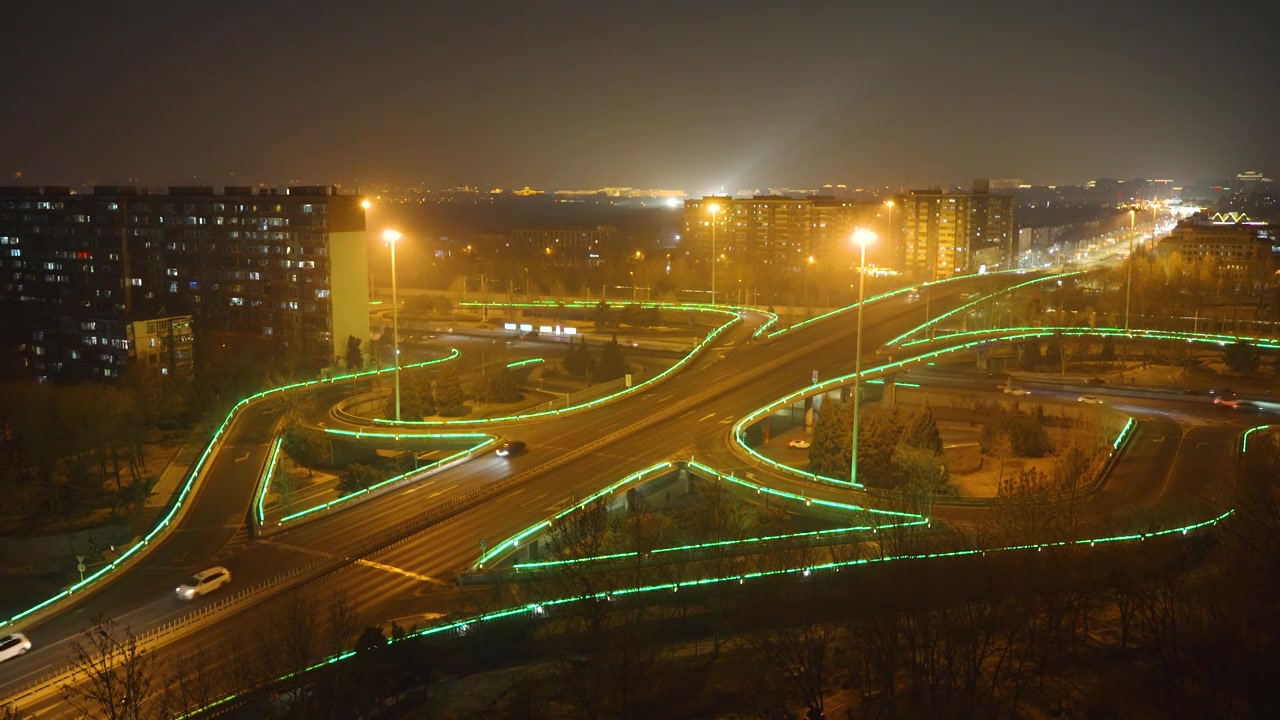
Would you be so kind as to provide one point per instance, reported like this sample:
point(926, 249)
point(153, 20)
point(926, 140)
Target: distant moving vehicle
point(913, 296)
point(1015, 390)
point(1223, 392)
point(531, 335)
point(203, 583)
point(513, 447)
point(1097, 381)
point(801, 444)
point(1090, 399)
point(1226, 401)
point(13, 646)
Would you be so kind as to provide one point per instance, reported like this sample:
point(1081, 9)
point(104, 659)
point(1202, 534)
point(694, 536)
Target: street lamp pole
point(391, 236)
point(714, 208)
point(888, 230)
point(863, 238)
point(1128, 284)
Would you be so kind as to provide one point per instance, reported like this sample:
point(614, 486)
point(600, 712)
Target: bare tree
point(113, 676)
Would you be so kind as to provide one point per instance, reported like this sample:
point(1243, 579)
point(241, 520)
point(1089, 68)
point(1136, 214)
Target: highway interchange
point(1180, 443)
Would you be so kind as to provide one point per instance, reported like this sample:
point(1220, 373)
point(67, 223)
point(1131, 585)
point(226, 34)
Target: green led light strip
point(1244, 446)
point(266, 478)
point(999, 334)
point(195, 472)
point(916, 520)
point(740, 427)
point(404, 436)
point(711, 337)
point(514, 541)
point(437, 465)
point(981, 299)
point(801, 498)
point(892, 293)
point(539, 609)
point(521, 363)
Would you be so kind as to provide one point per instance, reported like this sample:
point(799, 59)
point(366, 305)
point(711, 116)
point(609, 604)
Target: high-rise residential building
point(289, 268)
point(564, 245)
point(945, 234)
point(780, 231)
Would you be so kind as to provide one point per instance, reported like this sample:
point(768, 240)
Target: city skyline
point(674, 97)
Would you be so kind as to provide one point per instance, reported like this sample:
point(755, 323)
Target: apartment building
point(286, 266)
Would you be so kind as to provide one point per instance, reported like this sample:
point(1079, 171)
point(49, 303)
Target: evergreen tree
point(922, 432)
point(1029, 356)
point(612, 364)
point(450, 400)
point(1241, 357)
point(356, 477)
point(830, 448)
point(502, 387)
point(355, 357)
point(878, 434)
point(601, 314)
point(416, 401)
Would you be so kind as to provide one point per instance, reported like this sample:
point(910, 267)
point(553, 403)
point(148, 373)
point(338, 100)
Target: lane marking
point(242, 459)
point(1158, 439)
point(401, 571)
point(438, 492)
point(727, 420)
point(704, 417)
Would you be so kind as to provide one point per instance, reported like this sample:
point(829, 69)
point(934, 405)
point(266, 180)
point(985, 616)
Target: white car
point(1090, 399)
point(801, 444)
point(1012, 390)
point(203, 583)
point(13, 646)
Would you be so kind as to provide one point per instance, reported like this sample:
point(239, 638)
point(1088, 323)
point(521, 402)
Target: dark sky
point(688, 95)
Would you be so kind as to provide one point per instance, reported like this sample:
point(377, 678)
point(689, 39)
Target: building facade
point(288, 267)
point(782, 231)
point(945, 234)
point(1229, 249)
point(564, 245)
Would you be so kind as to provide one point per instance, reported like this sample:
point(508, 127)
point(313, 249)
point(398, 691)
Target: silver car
point(13, 646)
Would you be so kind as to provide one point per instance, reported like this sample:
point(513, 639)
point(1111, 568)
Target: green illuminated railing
point(265, 484)
point(1244, 443)
point(539, 609)
point(513, 542)
point(893, 293)
point(178, 504)
point(972, 303)
point(1135, 334)
point(521, 417)
point(433, 466)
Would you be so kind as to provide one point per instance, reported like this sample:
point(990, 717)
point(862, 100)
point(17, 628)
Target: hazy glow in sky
point(692, 95)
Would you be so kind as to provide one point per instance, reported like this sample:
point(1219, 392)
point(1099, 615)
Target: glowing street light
point(390, 237)
point(366, 204)
point(713, 208)
point(862, 238)
point(1128, 285)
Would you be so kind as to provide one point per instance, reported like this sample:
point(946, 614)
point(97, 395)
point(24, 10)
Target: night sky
point(687, 95)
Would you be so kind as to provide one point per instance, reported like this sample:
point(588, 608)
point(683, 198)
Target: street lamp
point(713, 208)
point(391, 236)
point(862, 238)
point(1128, 285)
point(888, 226)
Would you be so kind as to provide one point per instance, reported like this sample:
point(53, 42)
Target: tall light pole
point(713, 208)
point(888, 231)
point(391, 236)
point(862, 238)
point(1128, 284)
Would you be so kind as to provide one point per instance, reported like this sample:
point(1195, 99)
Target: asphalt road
point(413, 578)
